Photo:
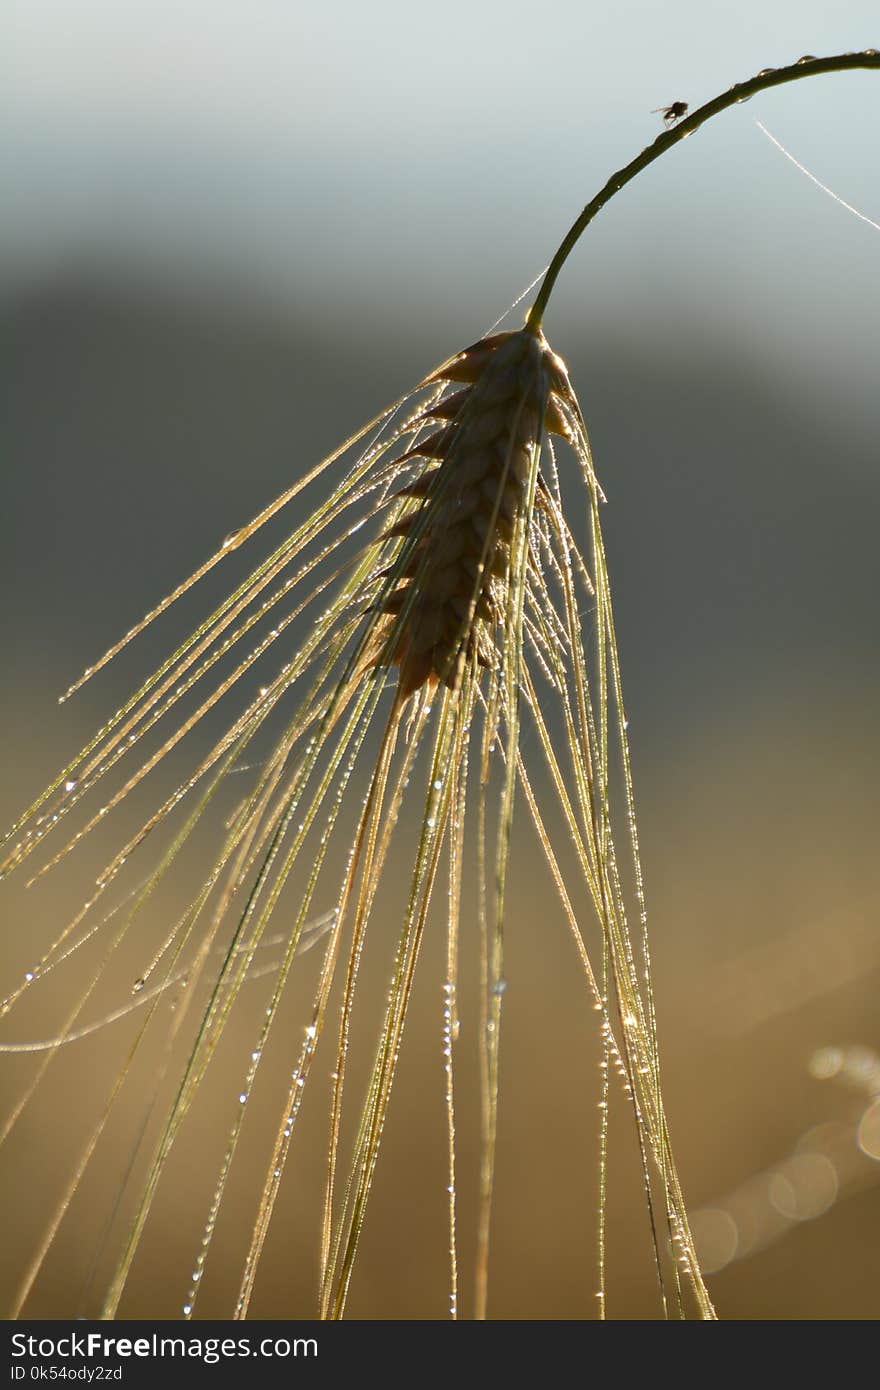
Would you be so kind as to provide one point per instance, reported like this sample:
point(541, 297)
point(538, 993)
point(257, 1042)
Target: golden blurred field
point(756, 781)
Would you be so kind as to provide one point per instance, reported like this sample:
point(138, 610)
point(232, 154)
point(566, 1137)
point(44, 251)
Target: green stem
point(768, 77)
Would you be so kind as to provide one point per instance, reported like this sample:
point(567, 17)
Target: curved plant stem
point(741, 91)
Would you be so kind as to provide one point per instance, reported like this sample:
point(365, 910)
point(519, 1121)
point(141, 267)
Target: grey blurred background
point(232, 232)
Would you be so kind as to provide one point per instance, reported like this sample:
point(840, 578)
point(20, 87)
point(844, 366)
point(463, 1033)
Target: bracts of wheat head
point(405, 668)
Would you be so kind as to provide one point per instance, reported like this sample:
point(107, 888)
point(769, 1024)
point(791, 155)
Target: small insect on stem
point(673, 112)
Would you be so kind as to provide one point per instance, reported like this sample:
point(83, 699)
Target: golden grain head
point(445, 583)
point(474, 584)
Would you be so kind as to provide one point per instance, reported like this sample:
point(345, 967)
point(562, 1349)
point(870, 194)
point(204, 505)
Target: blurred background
point(234, 232)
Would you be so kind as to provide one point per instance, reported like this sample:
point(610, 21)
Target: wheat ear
point(461, 620)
